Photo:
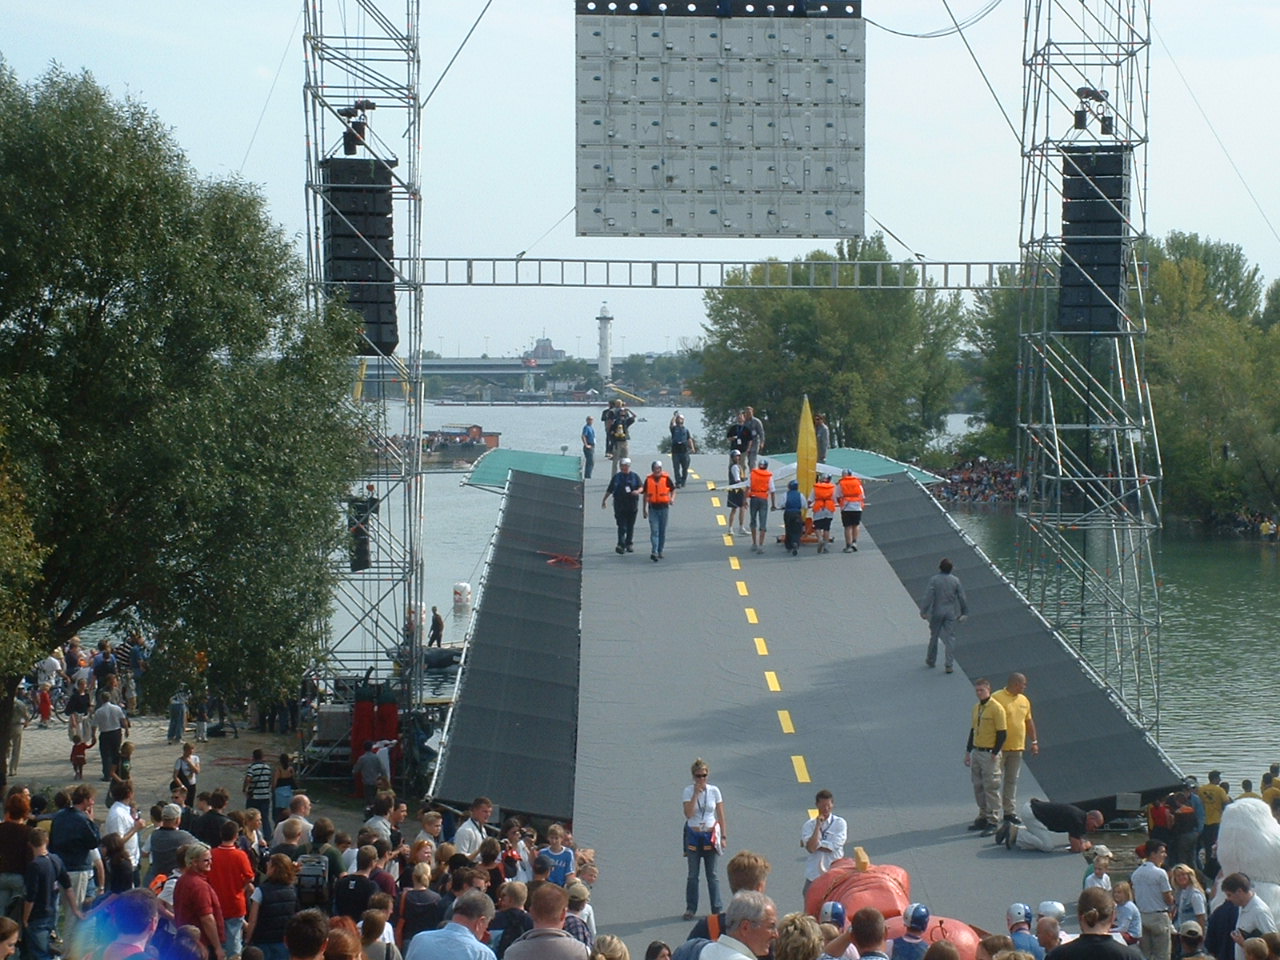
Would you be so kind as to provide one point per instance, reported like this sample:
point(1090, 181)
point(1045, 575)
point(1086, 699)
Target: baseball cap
point(1190, 928)
point(1102, 850)
point(626, 460)
point(171, 811)
point(578, 892)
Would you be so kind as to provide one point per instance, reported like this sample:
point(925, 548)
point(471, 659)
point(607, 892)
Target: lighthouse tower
point(604, 361)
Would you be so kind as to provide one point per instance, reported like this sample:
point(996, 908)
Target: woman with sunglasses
point(704, 836)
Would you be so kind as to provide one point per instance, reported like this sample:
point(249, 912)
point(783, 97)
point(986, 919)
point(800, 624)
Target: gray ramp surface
point(672, 670)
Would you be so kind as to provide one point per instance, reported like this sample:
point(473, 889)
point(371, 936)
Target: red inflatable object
point(885, 887)
point(941, 928)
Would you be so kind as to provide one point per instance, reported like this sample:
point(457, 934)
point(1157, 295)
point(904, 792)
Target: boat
point(457, 444)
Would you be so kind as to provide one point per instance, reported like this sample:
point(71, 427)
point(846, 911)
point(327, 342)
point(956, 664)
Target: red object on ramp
point(883, 886)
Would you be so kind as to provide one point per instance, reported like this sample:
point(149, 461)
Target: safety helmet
point(916, 917)
point(832, 912)
point(1051, 908)
point(1019, 913)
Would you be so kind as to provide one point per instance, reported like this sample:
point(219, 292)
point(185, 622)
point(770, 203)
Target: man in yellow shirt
point(988, 729)
point(1215, 800)
point(1022, 735)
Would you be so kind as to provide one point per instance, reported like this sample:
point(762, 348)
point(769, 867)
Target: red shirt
point(194, 898)
point(229, 874)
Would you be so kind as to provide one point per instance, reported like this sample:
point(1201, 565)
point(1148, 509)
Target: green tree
point(994, 321)
point(878, 362)
point(174, 412)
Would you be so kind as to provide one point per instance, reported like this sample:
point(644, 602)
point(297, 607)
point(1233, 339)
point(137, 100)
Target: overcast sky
point(943, 170)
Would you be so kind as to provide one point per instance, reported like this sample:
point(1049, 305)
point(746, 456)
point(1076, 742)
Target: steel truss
point(1088, 439)
point(363, 84)
point(702, 274)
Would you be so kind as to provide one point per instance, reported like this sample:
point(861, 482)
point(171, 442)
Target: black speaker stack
point(1096, 237)
point(357, 234)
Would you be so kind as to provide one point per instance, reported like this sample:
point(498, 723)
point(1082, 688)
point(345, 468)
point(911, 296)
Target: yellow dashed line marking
point(735, 563)
point(802, 769)
point(751, 615)
point(694, 475)
point(762, 648)
point(711, 484)
point(728, 540)
point(771, 679)
point(715, 501)
point(784, 718)
point(720, 519)
point(742, 588)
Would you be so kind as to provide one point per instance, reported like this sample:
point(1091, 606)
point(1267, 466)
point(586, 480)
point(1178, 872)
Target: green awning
point(490, 471)
point(865, 463)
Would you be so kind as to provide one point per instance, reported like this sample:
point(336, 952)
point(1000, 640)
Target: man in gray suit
point(942, 605)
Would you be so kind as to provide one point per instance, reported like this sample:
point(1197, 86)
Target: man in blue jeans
point(44, 875)
point(659, 495)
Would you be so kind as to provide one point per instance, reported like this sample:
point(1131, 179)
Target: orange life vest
point(850, 489)
point(824, 496)
point(657, 490)
point(760, 480)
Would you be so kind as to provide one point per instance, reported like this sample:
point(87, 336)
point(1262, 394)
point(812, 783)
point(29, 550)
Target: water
point(1217, 636)
point(1218, 632)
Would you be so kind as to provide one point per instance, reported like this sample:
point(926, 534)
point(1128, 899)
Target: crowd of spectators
point(981, 481)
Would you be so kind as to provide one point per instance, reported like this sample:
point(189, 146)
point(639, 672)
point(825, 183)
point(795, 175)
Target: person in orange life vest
point(659, 494)
point(850, 498)
point(763, 499)
point(823, 505)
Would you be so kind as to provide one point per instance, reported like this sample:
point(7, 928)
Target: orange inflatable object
point(941, 928)
point(885, 887)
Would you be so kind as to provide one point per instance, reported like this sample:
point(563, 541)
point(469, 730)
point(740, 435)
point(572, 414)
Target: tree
point(878, 362)
point(994, 321)
point(175, 414)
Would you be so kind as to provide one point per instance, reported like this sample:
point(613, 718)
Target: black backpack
point(313, 880)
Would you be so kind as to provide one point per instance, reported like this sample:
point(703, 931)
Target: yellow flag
point(806, 450)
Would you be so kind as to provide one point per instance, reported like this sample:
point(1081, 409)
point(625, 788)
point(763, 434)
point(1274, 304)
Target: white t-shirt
point(704, 809)
point(1254, 916)
point(468, 837)
point(48, 668)
point(120, 820)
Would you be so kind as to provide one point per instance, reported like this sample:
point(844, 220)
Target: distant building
point(543, 350)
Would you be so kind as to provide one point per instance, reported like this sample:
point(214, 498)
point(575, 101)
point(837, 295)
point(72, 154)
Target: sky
point(943, 167)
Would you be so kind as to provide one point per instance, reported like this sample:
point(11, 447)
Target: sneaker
point(977, 824)
point(929, 664)
point(847, 549)
point(742, 532)
point(950, 670)
point(795, 552)
point(653, 557)
point(659, 556)
point(630, 548)
point(853, 547)
point(688, 915)
point(988, 830)
point(1013, 818)
point(619, 549)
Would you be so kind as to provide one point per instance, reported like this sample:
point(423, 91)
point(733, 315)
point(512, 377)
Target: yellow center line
point(694, 475)
point(771, 679)
point(762, 648)
point(715, 501)
point(711, 484)
point(720, 519)
point(728, 540)
point(784, 718)
point(735, 563)
point(751, 615)
point(742, 588)
point(801, 768)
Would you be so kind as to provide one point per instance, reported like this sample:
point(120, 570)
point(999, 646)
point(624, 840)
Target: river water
point(1219, 633)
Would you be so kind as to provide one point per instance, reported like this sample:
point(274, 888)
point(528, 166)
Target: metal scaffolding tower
point(362, 103)
point(1087, 436)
